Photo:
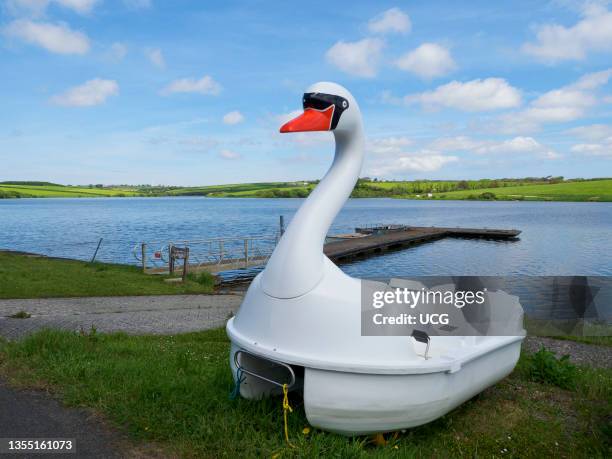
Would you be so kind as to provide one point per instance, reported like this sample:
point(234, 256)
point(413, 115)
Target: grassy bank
point(174, 390)
point(534, 189)
point(52, 190)
point(596, 190)
point(23, 276)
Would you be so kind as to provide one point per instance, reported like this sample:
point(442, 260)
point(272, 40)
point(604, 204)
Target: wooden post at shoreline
point(176, 253)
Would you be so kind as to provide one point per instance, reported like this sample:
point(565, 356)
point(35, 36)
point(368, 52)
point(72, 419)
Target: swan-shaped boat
point(300, 321)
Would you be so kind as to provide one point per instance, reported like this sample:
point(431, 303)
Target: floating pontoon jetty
point(236, 254)
point(368, 241)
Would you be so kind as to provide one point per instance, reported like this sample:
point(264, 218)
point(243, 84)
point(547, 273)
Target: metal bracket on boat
point(263, 378)
point(422, 337)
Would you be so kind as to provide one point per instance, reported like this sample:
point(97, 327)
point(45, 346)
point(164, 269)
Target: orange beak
point(310, 120)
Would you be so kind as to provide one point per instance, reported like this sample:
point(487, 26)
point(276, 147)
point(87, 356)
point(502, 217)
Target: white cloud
point(472, 96)
point(391, 157)
point(593, 80)
point(420, 162)
point(388, 145)
point(392, 20)
point(429, 60)
point(234, 117)
point(118, 51)
point(38, 7)
point(229, 154)
point(80, 6)
point(603, 148)
point(92, 92)
point(205, 85)
point(156, 57)
point(517, 145)
point(57, 38)
point(459, 143)
point(567, 103)
point(359, 58)
point(551, 155)
point(592, 33)
point(593, 132)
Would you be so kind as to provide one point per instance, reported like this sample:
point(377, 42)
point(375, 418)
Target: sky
point(193, 93)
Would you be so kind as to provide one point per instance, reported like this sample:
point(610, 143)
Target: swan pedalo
point(300, 323)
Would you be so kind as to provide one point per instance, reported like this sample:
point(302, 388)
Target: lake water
point(557, 238)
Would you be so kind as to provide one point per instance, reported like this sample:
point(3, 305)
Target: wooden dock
point(377, 242)
point(341, 248)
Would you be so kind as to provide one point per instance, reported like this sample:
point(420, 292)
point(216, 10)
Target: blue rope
point(239, 380)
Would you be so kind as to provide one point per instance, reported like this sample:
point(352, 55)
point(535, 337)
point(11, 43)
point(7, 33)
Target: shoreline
point(521, 189)
point(528, 199)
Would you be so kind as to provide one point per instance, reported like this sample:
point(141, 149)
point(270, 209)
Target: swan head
point(327, 107)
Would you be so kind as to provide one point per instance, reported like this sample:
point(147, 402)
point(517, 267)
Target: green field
point(596, 190)
point(536, 189)
point(14, 190)
point(588, 190)
point(173, 391)
point(249, 190)
point(23, 276)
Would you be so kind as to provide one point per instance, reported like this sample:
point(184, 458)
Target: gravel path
point(593, 355)
point(132, 314)
point(187, 313)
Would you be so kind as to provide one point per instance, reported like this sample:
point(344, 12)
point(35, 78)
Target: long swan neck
point(298, 264)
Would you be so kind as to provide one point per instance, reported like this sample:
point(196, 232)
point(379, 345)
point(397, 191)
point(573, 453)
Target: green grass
point(23, 276)
point(485, 189)
point(595, 190)
point(173, 390)
point(21, 315)
point(249, 190)
point(60, 191)
point(507, 189)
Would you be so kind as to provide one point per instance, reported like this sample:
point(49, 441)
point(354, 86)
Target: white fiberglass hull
point(358, 403)
point(363, 403)
point(355, 384)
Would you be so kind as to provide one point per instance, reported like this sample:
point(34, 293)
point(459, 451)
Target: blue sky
point(193, 93)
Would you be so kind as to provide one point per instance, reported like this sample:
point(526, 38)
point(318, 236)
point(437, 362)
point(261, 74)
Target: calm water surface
point(557, 238)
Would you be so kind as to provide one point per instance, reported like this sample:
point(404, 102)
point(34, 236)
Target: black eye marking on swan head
point(320, 101)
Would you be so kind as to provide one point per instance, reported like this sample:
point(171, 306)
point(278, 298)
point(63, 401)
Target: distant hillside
point(31, 183)
point(538, 189)
point(507, 189)
point(50, 190)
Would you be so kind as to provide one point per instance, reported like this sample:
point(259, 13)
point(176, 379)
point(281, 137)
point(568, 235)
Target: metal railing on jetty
point(239, 253)
point(212, 255)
